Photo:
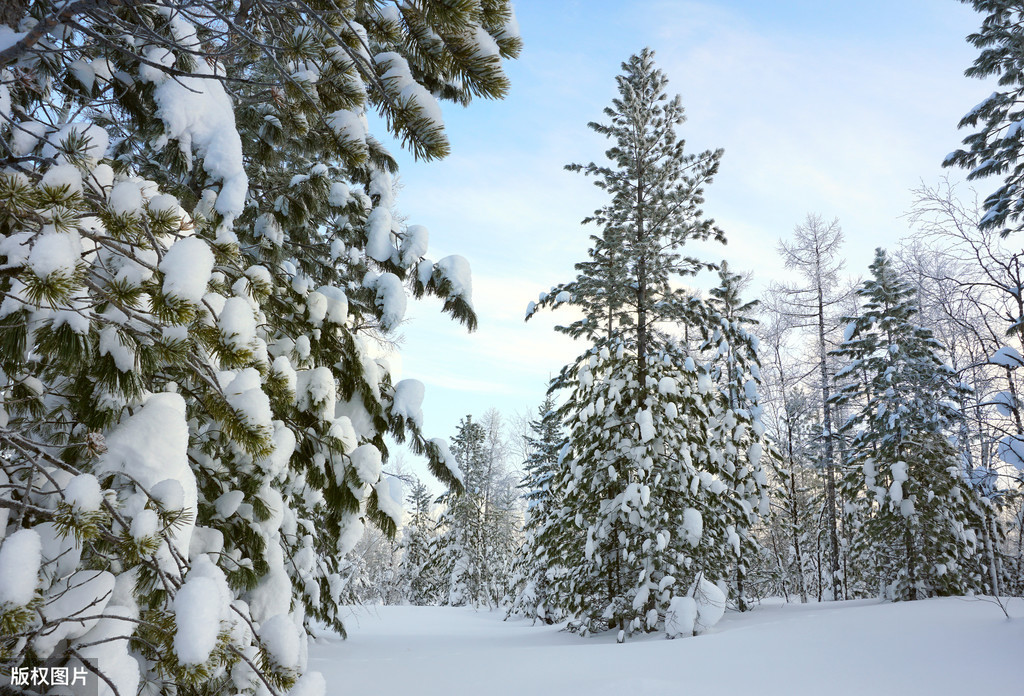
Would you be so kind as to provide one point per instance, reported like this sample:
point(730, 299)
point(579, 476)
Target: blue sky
point(833, 108)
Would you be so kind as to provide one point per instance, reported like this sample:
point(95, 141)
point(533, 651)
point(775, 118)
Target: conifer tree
point(735, 367)
point(200, 262)
point(643, 485)
point(921, 518)
point(473, 553)
point(414, 579)
point(534, 564)
point(995, 147)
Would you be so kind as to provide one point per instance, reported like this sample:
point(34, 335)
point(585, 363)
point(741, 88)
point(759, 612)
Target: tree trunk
point(830, 474)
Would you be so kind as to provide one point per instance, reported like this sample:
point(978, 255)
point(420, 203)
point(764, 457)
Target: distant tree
point(472, 554)
point(792, 418)
point(736, 369)
point(813, 253)
point(415, 579)
point(534, 562)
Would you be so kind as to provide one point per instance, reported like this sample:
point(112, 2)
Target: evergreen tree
point(735, 367)
point(414, 579)
point(995, 147)
point(534, 564)
point(921, 519)
point(201, 261)
point(473, 552)
point(643, 487)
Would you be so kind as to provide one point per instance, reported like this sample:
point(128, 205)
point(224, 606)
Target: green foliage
point(994, 148)
point(919, 524)
point(204, 295)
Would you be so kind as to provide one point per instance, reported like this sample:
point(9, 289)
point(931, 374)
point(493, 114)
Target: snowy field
point(927, 648)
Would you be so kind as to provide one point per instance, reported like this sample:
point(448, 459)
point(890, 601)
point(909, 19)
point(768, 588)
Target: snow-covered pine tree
point(995, 147)
point(457, 551)
point(200, 262)
point(414, 579)
point(533, 563)
point(472, 555)
point(921, 518)
point(641, 474)
point(736, 370)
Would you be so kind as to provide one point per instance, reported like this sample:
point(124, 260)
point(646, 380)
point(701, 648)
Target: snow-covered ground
point(927, 648)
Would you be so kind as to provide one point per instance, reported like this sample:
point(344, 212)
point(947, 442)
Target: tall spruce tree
point(644, 507)
point(921, 519)
point(200, 259)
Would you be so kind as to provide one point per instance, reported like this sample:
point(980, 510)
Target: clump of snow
point(317, 391)
point(20, 556)
point(337, 304)
point(338, 194)
point(187, 267)
point(245, 394)
point(391, 299)
point(448, 459)
point(710, 601)
point(455, 269)
point(26, 135)
point(197, 617)
point(309, 684)
point(351, 127)
point(267, 227)
point(645, 420)
point(151, 445)
point(95, 142)
point(237, 323)
point(693, 526)
point(169, 493)
point(126, 198)
point(1011, 450)
point(55, 252)
point(1004, 402)
point(145, 524)
point(1007, 357)
point(366, 460)
point(399, 81)
point(408, 400)
point(83, 493)
point(198, 113)
point(107, 645)
point(281, 639)
point(389, 498)
point(83, 595)
point(680, 617)
point(63, 175)
point(228, 502)
point(414, 244)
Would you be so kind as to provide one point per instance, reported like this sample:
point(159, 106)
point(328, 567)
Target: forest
point(207, 448)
